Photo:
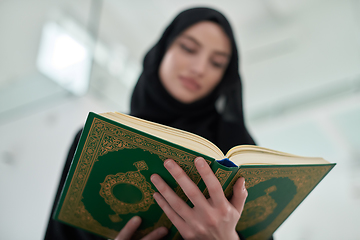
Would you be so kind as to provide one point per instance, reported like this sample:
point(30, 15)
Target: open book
point(109, 179)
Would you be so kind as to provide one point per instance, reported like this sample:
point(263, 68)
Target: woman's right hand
point(133, 224)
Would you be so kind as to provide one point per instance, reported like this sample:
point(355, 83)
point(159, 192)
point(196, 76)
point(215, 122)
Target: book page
point(173, 135)
point(252, 155)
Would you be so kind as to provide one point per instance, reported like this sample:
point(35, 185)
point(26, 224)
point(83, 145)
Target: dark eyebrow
point(197, 43)
point(223, 54)
point(192, 39)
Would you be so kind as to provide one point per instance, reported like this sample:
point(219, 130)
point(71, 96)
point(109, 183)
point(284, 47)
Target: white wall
point(300, 66)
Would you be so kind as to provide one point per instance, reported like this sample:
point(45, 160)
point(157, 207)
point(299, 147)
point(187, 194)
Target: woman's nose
point(199, 65)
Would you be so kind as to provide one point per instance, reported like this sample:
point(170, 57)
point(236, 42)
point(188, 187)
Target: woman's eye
point(218, 65)
point(187, 49)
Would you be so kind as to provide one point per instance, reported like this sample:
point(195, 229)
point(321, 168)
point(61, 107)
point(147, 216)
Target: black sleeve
point(57, 230)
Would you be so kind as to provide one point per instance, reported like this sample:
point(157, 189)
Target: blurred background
point(60, 59)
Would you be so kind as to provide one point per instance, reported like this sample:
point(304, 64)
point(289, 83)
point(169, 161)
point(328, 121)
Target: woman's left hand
point(212, 218)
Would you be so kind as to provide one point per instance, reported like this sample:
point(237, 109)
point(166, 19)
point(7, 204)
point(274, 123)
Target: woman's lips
point(190, 84)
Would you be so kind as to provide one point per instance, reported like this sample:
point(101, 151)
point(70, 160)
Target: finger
point(239, 195)
point(187, 185)
point(156, 234)
point(177, 220)
point(212, 183)
point(176, 203)
point(129, 229)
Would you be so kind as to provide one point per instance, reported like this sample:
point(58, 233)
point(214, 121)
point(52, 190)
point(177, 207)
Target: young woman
point(190, 81)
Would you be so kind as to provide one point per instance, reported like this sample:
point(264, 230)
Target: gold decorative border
point(222, 175)
point(104, 137)
point(229, 189)
point(305, 179)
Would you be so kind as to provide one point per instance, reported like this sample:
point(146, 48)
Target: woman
point(190, 81)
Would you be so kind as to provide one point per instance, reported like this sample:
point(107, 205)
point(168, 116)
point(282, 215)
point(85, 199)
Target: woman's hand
point(131, 226)
point(213, 218)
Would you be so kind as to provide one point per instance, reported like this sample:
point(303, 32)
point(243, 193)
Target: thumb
point(239, 195)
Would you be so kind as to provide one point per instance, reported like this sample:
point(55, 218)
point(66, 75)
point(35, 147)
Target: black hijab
point(224, 126)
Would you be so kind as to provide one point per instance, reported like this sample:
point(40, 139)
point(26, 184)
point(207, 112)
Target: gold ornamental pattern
point(222, 175)
point(304, 178)
point(104, 137)
point(134, 178)
point(257, 210)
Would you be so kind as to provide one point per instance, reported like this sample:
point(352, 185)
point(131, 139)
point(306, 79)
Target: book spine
point(224, 175)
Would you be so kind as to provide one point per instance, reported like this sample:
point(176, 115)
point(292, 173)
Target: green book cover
point(109, 182)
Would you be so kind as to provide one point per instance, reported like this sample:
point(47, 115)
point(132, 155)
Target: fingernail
point(200, 162)
point(135, 219)
point(155, 195)
point(162, 231)
point(169, 164)
point(154, 179)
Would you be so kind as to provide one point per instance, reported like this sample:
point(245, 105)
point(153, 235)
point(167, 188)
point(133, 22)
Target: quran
point(109, 179)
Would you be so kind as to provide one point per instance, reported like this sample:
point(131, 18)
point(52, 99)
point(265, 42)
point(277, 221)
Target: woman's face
point(195, 62)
